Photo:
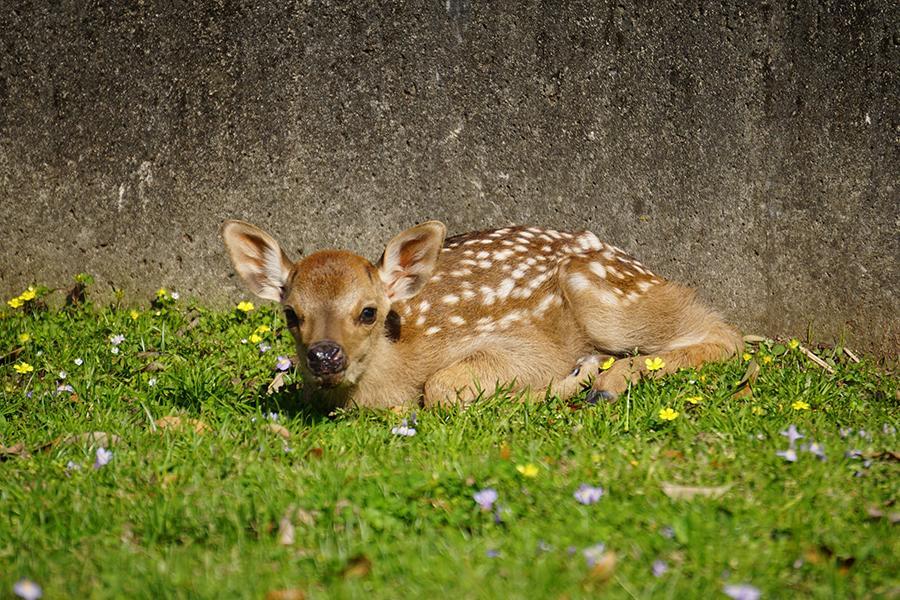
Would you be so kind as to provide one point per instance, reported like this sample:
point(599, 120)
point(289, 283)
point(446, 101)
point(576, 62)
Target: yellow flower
point(255, 339)
point(667, 414)
point(794, 344)
point(767, 360)
point(607, 363)
point(262, 329)
point(161, 293)
point(758, 410)
point(654, 364)
point(245, 306)
point(694, 399)
point(800, 405)
point(135, 315)
point(747, 356)
point(16, 302)
point(23, 368)
point(528, 470)
point(24, 338)
point(28, 294)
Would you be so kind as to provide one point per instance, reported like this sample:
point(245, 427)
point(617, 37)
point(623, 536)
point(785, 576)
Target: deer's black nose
point(326, 358)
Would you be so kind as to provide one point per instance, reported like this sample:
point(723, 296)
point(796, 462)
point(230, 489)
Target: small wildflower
point(654, 364)
point(63, 374)
point(586, 494)
point(853, 453)
point(608, 363)
point(283, 363)
point(659, 568)
point(668, 414)
point(263, 329)
point(695, 400)
point(151, 382)
point(667, 532)
point(78, 362)
point(800, 405)
point(254, 339)
point(888, 429)
point(845, 431)
point(24, 337)
point(115, 340)
point(135, 315)
point(16, 302)
point(23, 368)
point(594, 553)
point(492, 553)
point(746, 356)
point(245, 306)
point(863, 434)
point(175, 295)
point(64, 388)
point(794, 344)
point(816, 449)
point(29, 294)
point(792, 434)
point(404, 430)
point(543, 546)
point(742, 591)
point(485, 498)
point(27, 589)
point(789, 455)
point(103, 457)
point(72, 466)
point(114, 349)
point(264, 347)
point(161, 293)
point(767, 359)
point(758, 411)
point(528, 470)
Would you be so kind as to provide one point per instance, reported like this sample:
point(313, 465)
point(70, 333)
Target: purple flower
point(64, 388)
point(103, 457)
point(72, 466)
point(845, 431)
point(116, 339)
point(667, 532)
point(864, 434)
point(592, 554)
point(485, 498)
point(789, 455)
point(543, 546)
point(586, 494)
point(491, 553)
point(283, 364)
point(792, 435)
point(659, 568)
point(404, 430)
point(264, 347)
point(888, 429)
point(853, 453)
point(412, 419)
point(815, 448)
point(27, 589)
point(742, 591)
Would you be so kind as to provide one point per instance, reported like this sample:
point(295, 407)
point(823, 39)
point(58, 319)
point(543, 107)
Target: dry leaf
point(277, 383)
point(288, 594)
point(175, 423)
point(505, 451)
point(315, 452)
point(603, 569)
point(754, 339)
point(278, 430)
point(358, 566)
point(153, 367)
point(686, 492)
point(673, 454)
point(286, 531)
point(15, 451)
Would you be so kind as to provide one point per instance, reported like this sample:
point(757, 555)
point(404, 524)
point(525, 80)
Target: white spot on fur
point(432, 330)
point(485, 264)
point(520, 248)
point(457, 320)
point(507, 242)
point(469, 242)
point(420, 321)
point(579, 282)
point(468, 252)
point(424, 306)
point(546, 249)
point(598, 270)
point(505, 287)
point(490, 296)
point(554, 234)
point(534, 230)
point(450, 299)
point(527, 234)
point(486, 242)
point(482, 255)
point(468, 294)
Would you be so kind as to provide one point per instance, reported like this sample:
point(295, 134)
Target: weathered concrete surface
point(749, 150)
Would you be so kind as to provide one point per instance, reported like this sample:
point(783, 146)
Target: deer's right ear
point(410, 258)
point(257, 258)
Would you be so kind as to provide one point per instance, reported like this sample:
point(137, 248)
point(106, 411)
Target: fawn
point(443, 319)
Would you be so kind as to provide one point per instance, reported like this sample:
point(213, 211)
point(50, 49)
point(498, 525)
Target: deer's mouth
point(330, 380)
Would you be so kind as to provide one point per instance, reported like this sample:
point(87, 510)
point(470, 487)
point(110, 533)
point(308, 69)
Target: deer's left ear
point(410, 258)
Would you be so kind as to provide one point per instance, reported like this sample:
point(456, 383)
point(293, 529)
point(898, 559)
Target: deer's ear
point(257, 258)
point(410, 258)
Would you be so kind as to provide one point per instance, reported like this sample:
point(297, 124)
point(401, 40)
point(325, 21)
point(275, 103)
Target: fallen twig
point(852, 356)
point(809, 354)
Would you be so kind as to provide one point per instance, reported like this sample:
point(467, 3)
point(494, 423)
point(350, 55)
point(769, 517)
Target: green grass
point(181, 514)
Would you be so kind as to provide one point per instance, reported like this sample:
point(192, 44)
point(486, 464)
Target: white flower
point(175, 295)
point(114, 349)
point(78, 362)
point(62, 374)
point(27, 589)
point(152, 381)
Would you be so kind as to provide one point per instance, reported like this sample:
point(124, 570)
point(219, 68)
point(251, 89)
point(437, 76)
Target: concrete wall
point(751, 150)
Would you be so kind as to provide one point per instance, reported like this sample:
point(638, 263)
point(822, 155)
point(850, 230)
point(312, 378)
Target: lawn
point(158, 452)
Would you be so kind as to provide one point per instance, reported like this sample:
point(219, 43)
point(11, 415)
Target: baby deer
point(446, 319)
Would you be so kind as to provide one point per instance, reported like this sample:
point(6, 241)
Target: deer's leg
point(462, 382)
point(586, 368)
point(653, 317)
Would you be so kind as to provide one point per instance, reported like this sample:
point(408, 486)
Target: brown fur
point(519, 306)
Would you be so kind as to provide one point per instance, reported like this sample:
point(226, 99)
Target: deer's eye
point(367, 316)
point(293, 321)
